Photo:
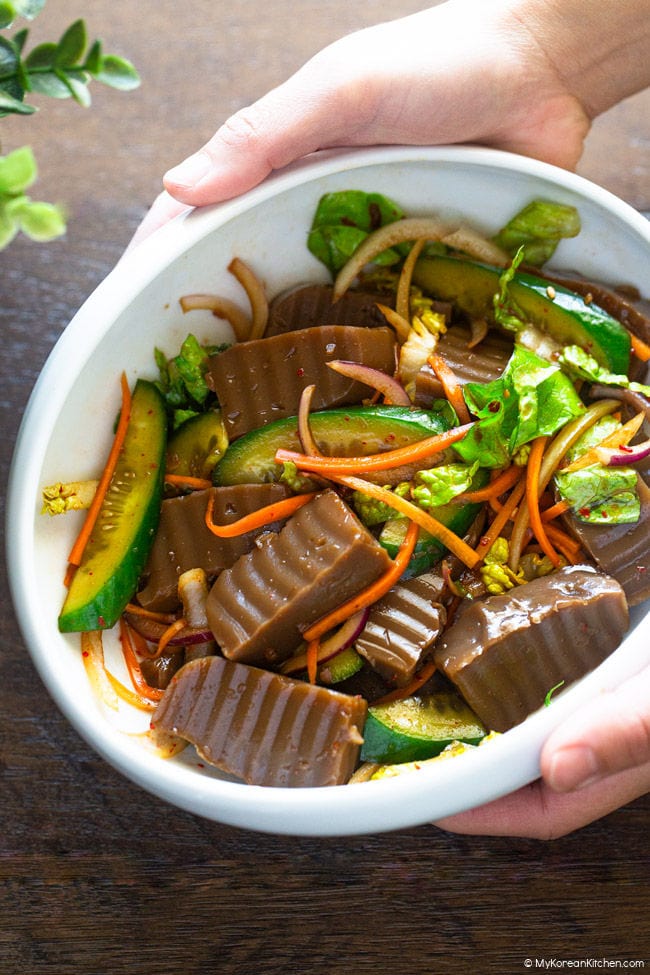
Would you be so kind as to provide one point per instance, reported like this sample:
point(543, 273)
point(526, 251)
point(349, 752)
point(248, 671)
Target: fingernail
point(191, 171)
point(572, 768)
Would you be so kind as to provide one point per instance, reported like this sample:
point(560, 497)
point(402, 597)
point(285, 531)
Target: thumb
point(606, 736)
point(301, 115)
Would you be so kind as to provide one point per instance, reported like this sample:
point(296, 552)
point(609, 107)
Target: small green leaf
point(17, 171)
point(118, 73)
point(94, 59)
point(8, 58)
point(40, 221)
point(14, 106)
point(76, 82)
point(20, 39)
point(71, 46)
point(49, 83)
point(42, 56)
point(8, 227)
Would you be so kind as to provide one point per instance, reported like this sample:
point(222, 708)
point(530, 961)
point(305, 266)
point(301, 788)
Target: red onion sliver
point(389, 387)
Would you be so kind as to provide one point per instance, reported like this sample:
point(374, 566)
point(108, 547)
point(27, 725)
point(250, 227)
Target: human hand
point(593, 763)
point(425, 79)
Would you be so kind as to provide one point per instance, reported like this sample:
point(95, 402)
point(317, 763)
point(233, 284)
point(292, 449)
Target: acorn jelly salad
point(394, 516)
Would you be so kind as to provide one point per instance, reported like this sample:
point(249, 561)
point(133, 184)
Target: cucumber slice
point(561, 313)
point(338, 432)
point(345, 664)
point(196, 446)
point(119, 546)
point(418, 728)
point(429, 550)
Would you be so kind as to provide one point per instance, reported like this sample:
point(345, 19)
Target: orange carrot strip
point(569, 548)
point(312, 659)
point(131, 697)
point(368, 595)
point(374, 462)
point(502, 483)
point(400, 693)
point(76, 554)
point(532, 499)
point(256, 519)
point(554, 510)
point(451, 387)
point(168, 635)
point(149, 614)
point(501, 519)
point(182, 480)
point(133, 666)
point(640, 348)
point(449, 539)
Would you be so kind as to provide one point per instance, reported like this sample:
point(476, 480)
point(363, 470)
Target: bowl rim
point(509, 762)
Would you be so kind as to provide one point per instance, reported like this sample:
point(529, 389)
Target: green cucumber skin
point(194, 443)
point(428, 550)
point(388, 743)
point(556, 310)
point(108, 575)
point(250, 459)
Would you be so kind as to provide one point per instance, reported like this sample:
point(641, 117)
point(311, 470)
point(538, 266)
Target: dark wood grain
point(95, 874)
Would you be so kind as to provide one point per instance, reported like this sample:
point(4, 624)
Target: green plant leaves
point(10, 9)
point(18, 212)
point(60, 69)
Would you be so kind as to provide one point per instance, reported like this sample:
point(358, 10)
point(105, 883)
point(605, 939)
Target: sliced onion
point(403, 299)
point(632, 398)
point(469, 241)
point(387, 385)
point(622, 456)
point(92, 653)
point(221, 308)
point(341, 640)
point(401, 325)
point(479, 329)
point(305, 435)
point(256, 295)
point(411, 228)
point(152, 630)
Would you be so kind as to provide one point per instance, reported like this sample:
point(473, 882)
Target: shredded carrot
point(640, 348)
point(449, 539)
point(133, 665)
point(172, 630)
point(368, 595)
point(501, 483)
point(374, 462)
point(77, 551)
point(312, 659)
point(256, 519)
point(149, 614)
point(537, 449)
point(502, 518)
point(126, 694)
point(451, 387)
point(400, 693)
point(555, 509)
point(183, 480)
point(569, 548)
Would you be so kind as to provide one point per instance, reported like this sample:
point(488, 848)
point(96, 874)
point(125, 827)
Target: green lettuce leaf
point(533, 398)
point(538, 229)
point(601, 495)
point(343, 220)
point(440, 484)
point(580, 365)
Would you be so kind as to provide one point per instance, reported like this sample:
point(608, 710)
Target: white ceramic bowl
point(67, 428)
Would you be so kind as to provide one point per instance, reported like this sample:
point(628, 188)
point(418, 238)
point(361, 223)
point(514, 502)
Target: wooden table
point(97, 876)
